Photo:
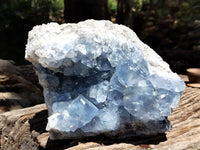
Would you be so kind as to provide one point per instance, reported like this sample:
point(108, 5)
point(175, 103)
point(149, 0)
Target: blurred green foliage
point(35, 11)
point(112, 6)
point(181, 10)
point(17, 17)
point(163, 24)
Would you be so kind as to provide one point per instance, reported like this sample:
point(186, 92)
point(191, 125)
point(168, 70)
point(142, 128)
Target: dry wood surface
point(24, 129)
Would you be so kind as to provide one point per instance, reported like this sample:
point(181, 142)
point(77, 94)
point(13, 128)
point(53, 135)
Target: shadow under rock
point(104, 140)
point(39, 122)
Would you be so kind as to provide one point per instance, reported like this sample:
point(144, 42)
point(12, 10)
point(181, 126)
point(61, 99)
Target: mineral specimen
point(98, 77)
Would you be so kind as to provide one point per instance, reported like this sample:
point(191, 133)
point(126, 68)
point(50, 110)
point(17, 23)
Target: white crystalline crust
point(49, 44)
point(98, 77)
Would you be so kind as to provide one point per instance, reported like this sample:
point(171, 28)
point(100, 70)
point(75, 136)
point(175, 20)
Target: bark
point(9, 69)
point(19, 129)
point(124, 12)
point(120, 12)
point(19, 87)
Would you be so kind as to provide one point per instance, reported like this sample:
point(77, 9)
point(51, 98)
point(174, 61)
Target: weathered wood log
point(25, 129)
point(19, 87)
point(9, 69)
point(19, 129)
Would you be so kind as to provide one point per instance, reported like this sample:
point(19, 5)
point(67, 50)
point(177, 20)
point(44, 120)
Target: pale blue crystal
point(98, 77)
point(115, 84)
point(115, 97)
point(139, 99)
point(129, 74)
point(107, 120)
point(82, 110)
point(99, 91)
point(62, 122)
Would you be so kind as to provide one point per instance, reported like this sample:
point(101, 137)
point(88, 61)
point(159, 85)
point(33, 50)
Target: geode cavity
point(98, 77)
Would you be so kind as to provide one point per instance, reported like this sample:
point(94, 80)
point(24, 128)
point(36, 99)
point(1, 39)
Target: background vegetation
point(17, 17)
point(163, 24)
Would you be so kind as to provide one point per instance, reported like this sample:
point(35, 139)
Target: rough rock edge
point(34, 36)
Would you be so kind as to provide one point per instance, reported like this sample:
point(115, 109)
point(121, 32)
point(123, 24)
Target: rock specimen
point(98, 77)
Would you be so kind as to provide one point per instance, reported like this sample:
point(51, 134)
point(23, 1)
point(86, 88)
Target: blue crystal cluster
point(97, 80)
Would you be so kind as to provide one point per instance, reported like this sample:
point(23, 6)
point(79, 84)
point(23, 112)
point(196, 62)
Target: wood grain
point(25, 129)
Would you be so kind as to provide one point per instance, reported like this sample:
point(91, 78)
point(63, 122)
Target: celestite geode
point(98, 77)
